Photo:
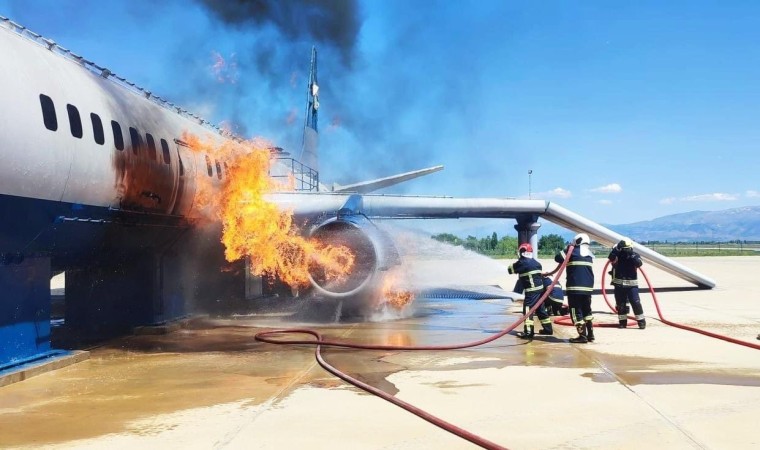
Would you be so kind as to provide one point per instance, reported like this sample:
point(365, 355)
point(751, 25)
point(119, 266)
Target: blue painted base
point(24, 310)
point(121, 265)
point(123, 269)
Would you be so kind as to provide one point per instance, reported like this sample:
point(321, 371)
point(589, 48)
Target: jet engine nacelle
point(373, 251)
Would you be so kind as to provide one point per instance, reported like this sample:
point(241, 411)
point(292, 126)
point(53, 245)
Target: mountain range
point(725, 225)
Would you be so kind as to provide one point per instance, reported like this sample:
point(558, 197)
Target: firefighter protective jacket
point(557, 294)
point(625, 266)
point(580, 273)
point(529, 270)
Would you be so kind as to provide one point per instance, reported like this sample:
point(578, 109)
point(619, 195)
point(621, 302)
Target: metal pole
point(530, 172)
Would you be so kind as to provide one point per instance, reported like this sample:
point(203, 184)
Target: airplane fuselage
point(83, 146)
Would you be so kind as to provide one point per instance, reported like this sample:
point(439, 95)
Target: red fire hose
point(568, 321)
point(319, 341)
point(668, 322)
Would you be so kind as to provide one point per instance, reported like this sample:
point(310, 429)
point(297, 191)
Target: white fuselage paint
point(54, 165)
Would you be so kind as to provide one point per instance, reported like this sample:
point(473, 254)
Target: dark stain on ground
point(192, 341)
point(366, 366)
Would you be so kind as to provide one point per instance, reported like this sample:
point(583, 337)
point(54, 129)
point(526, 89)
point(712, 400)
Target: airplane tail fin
point(309, 154)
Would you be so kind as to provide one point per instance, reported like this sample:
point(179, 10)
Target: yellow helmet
point(625, 243)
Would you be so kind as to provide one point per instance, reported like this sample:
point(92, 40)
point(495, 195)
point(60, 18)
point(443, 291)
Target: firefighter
point(579, 285)
point(625, 265)
point(554, 302)
point(529, 280)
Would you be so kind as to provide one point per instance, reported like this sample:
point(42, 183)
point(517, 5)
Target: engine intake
point(372, 248)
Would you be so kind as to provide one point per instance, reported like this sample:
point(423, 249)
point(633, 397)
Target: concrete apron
point(210, 384)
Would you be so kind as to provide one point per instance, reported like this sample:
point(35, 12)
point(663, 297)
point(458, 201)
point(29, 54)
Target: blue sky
point(624, 111)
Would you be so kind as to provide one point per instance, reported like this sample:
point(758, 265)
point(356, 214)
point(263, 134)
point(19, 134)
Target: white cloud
point(605, 202)
point(612, 188)
point(714, 197)
point(557, 192)
point(752, 194)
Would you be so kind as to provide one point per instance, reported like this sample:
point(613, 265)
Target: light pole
point(530, 172)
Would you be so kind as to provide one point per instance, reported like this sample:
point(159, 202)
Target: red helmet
point(526, 247)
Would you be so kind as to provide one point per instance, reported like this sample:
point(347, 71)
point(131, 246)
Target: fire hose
point(568, 321)
point(674, 324)
point(319, 341)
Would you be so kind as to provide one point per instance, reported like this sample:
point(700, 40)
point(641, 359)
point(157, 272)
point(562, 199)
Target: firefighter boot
point(527, 333)
point(622, 323)
point(642, 323)
point(546, 329)
point(590, 331)
point(581, 339)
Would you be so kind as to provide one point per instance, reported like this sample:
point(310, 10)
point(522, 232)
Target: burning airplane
point(141, 203)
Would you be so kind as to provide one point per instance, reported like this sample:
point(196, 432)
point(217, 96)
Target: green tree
point(507, 246)
point(551, 243)
point(492, 246)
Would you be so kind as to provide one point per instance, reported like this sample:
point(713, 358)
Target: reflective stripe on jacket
point(625, 268)
point(529, 270)
point(580, 273)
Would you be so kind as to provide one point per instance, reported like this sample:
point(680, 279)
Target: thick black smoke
point(373, 102)
point(331, 22)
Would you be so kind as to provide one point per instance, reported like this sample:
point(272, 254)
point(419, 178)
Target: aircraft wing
point(429, 207)
point(404, 206)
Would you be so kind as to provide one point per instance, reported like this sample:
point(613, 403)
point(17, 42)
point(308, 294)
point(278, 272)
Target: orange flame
point(255, 228)
point(395, 297)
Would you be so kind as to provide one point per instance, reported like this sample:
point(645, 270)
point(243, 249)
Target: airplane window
point(136, 140)
point(97, 129)
point(75, 122)
point(151, 146)
point(48, 113)
point(218, 170)
point(118, 139)
point(208, 167)
point(165, 149)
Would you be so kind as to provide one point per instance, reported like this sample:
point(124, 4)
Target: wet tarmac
point(211, 385)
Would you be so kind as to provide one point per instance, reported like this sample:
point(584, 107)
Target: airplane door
point(186, 179)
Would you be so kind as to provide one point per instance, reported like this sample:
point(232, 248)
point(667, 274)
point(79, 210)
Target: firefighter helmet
point(581, 238)
point(526, 247)
point(625, 243)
